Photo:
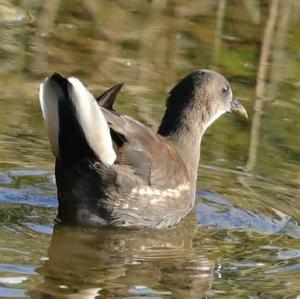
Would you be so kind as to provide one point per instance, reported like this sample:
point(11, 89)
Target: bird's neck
point(188, 145)
point(185, 132)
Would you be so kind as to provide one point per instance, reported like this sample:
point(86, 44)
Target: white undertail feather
point(88, 113)
point(49, 93)
point(92, 122)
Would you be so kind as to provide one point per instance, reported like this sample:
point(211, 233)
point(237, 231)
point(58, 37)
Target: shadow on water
point(132, 263)
point(182, 262)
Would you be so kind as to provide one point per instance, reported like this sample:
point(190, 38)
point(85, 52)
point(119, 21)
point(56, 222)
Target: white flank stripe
point(92, 122)
point(48, 96)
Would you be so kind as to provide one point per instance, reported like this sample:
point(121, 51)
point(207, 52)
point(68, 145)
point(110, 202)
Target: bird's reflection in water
point(120, 263)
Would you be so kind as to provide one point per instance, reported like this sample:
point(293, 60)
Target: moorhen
point(113, 170)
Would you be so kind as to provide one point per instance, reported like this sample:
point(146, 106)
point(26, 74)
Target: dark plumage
point(108, 97)
point(114, 170)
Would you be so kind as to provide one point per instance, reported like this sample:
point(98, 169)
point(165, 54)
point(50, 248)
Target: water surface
point(242, 238)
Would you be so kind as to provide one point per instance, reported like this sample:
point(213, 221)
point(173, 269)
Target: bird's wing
point(107, 98)
point(148, 155)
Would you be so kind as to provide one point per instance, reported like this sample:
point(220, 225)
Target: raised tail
point(76, 125)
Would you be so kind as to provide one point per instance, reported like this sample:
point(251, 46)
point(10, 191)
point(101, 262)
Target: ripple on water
point(146, 292)
point(40, 228)
point(20, 269)
point(9, 284)
point(29, 187)
point(288, 254)
point(28, 196)
point(213, 210)
point(12, 280)
point(5, 179)
point(12, 293)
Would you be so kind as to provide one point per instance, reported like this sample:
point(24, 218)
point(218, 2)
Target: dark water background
point(243, 239)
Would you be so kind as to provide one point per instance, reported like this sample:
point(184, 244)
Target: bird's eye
point(225, 89)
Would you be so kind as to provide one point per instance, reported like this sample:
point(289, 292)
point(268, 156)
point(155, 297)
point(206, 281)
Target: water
point(242, 238)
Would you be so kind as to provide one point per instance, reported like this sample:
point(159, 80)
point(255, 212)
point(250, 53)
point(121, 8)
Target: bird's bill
point(237, 108)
